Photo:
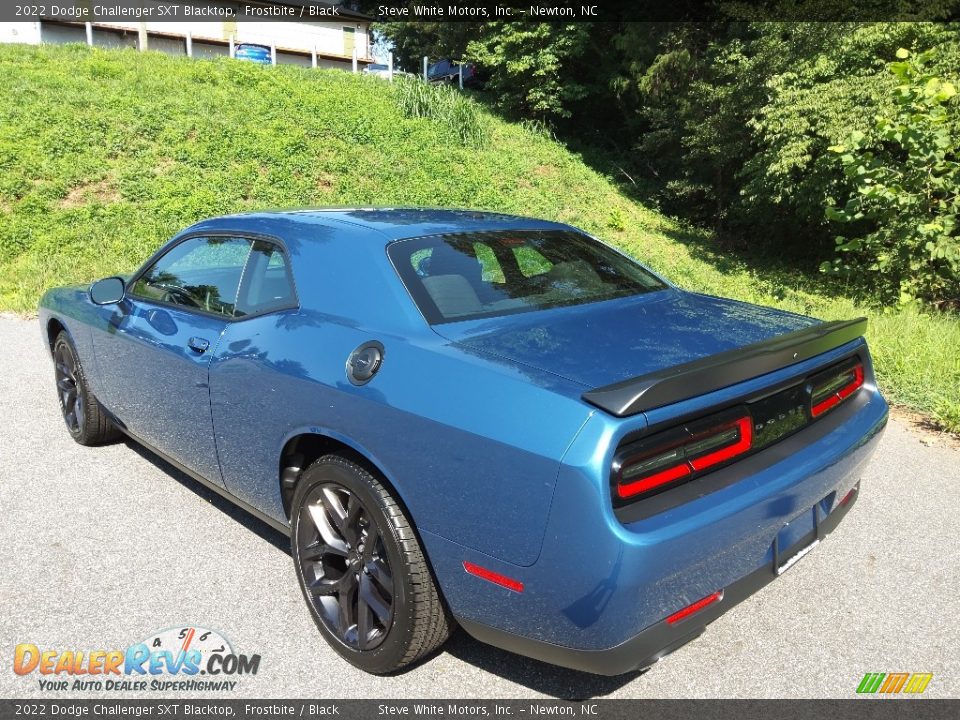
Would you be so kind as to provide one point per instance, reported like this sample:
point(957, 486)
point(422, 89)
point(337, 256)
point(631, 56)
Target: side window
point(200, 273)
point(266, 282)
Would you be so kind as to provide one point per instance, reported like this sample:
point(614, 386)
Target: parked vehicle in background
point(259, 54)
point(446, 70)
point(383, 70)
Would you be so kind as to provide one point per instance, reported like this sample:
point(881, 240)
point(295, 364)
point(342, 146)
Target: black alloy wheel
point(345, 566)
point(71, 399)
point(362, 571)
point(84, 417)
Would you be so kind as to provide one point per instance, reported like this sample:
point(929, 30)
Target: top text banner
point(478, 10)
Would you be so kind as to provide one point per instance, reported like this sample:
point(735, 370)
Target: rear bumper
point(662, 638)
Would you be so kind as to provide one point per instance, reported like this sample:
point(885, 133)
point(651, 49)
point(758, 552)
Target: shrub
point(445, 105)
point(903, 214)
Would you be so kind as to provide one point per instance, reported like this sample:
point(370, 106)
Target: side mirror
point(107, 291)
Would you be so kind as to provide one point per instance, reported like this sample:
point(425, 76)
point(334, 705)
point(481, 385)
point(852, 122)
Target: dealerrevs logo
point(178, 658)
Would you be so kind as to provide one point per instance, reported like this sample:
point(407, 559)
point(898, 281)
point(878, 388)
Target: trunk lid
point(608, 342)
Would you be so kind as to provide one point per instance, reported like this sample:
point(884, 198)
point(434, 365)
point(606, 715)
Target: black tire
point(348, 537)
point(82, 414)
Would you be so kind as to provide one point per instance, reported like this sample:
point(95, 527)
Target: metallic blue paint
point(479, 426)
point(606, 342)
point(152, 380)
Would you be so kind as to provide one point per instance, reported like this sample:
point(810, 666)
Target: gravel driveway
point(102, 547)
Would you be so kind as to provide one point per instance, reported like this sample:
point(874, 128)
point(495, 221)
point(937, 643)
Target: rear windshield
point(472, 275)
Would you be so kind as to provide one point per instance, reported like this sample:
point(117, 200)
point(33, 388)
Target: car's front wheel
point(362, 570)
point(84, 417)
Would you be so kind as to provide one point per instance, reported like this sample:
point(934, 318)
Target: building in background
point(341, 42)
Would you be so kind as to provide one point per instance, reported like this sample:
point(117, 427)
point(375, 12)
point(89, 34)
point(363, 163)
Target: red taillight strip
point(745, 426)
point(649, 483)
point(491, 576)
point(842, 394)
point(695, 607)
point(688, 466)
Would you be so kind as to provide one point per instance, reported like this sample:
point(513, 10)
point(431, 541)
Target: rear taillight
point(826, 392)
point(673, 457)
point(677, 455)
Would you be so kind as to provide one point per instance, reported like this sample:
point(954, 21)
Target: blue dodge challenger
point(477, 419)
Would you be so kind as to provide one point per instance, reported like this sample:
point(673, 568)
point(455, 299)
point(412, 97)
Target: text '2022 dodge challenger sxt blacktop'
point(466, 417)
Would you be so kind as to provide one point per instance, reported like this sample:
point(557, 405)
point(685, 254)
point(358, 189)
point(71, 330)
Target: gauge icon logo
point(187, 638)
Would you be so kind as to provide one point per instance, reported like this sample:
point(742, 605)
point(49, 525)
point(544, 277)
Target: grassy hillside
point(105, 154)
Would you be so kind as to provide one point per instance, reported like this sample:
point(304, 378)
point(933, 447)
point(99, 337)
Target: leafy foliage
point(411, 41)
point(739, 137)
point(531, 61)
point(906, 202)
point(530, 67)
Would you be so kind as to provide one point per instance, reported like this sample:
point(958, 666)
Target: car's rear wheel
point(84, 417)
point(362, 571)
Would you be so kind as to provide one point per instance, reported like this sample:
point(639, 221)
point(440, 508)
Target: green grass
point(106, 154)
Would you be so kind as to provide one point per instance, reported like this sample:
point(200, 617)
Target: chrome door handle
point(198, 344)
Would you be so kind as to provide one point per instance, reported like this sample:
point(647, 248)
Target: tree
point(411, 41)
point(904, 214)
point(531, 66)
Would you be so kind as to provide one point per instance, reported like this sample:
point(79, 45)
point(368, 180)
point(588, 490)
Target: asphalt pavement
point(102, 547)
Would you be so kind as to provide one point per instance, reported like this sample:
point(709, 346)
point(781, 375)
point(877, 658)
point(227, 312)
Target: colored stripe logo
point(894, 683)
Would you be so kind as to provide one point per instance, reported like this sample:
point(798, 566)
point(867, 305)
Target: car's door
point(155, 355)
point(253, 379)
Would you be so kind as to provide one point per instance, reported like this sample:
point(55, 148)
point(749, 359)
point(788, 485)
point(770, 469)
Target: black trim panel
point(643, 650)
point(699, 377)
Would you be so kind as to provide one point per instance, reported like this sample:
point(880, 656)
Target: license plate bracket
point(796, 539)
point(795, 558)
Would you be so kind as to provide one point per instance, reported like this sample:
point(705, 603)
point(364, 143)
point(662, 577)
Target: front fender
point(70, 308)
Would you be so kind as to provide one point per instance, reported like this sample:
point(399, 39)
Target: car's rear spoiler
point(683, 382)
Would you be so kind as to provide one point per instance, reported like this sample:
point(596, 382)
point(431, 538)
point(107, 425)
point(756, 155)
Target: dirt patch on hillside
point(545, 171)
point(101, 191)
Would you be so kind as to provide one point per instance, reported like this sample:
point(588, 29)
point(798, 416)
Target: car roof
point(385, 224)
